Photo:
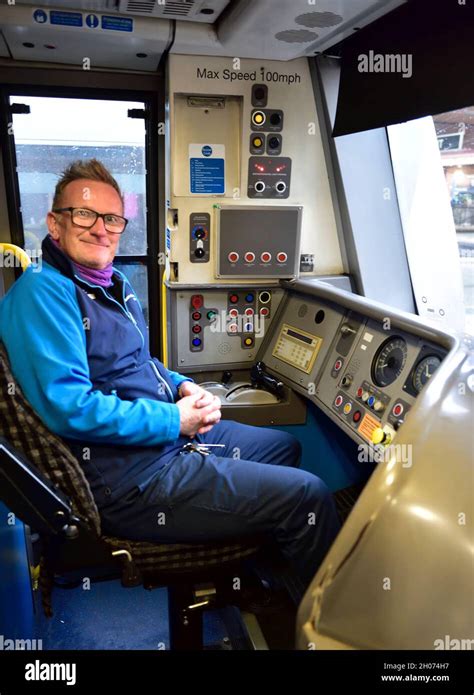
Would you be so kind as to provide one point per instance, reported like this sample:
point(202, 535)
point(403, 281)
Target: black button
point(107, 491)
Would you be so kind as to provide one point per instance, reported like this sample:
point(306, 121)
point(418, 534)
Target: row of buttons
point(371, 400)
point(265, 257)
point(264, 297)
point(347, 408)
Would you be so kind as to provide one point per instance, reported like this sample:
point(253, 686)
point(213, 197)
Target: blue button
point(371, 400)
point(249, 298)
point(196, 342)
point(249, 327)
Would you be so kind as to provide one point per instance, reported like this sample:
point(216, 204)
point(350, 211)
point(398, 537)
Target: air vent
point(140, 6)
point(206, 11)
point(303, 310)
point(318, 19)
point(178, 9)
point(296, 36)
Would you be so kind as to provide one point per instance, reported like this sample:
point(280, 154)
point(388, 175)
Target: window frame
point(151, 91)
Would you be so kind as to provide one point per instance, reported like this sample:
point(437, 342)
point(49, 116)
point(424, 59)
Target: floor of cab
point(107, 616)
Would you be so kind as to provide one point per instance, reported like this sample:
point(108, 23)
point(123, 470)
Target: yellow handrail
point(21, 255)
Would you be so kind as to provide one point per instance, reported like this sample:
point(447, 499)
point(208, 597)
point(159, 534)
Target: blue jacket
point(80, 354)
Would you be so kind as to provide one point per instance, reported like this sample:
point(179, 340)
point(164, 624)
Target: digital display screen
point(304, 338)
point(297, 348)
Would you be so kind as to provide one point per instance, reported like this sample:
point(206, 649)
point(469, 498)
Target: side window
point(58, 131)
point(455, 134)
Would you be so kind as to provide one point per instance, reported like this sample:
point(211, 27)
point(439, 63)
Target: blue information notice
point(207, 175)
point(69, 19)
point(117, 23)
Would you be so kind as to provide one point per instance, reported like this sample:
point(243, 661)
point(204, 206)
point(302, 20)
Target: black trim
point(12, 188)
point(412, 62)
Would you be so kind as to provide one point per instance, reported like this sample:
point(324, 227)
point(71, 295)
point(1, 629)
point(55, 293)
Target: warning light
point(281, 167)
point(197, 301)
point(258, 118)
point(259, 167)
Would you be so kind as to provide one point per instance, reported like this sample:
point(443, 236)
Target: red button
point(196, 316)
point(264, 311)
point(234, 298)
point(233, 328)
point(360, 391)
point(356, 416)
point(250, 257)
point(281, 257)
point(249, 311)
point(196, 329)
point(338, 401)
point(337, 365)
point(397, 409)
point(266, 257)
point(233, 257)
point(197, 301)
point(233, 313)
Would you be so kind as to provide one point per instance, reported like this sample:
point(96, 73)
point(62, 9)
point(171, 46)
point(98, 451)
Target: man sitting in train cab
point(77, 342)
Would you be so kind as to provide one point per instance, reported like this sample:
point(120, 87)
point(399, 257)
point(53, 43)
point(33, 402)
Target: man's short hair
point(91, 169)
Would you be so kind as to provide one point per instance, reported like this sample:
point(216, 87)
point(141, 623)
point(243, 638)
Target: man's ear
point(53, 226)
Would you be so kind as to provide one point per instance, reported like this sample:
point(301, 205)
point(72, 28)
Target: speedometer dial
point(424, 370)
point(389, 361)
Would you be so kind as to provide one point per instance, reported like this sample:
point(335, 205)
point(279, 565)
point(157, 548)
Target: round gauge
point(424, 370)
point(389, 361)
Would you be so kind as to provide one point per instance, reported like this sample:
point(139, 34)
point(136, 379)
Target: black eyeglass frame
point(97, 214)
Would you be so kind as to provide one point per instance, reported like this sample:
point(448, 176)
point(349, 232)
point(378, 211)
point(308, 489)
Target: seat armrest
point(30, 495)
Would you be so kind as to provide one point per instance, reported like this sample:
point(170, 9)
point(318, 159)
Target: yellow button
point(380, 437)
point(347, 408)
point(248, 341)
point(257, 142)
point(258, 118)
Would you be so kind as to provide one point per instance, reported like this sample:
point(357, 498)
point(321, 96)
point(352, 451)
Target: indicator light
point(196, 342)
point(197, 301)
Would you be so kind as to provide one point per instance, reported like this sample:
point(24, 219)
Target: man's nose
point(98, 228)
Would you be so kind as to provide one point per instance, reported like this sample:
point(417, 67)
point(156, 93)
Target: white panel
point(282, 30)
point(301, 142)
point(428, 225)
point(183, 10)
point(73, 44)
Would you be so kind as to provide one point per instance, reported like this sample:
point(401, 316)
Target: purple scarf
point(95, 276)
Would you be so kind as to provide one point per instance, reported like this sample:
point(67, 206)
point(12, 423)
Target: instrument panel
point(363, 375)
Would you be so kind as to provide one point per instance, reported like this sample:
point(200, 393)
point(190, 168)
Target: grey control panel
point(216, 328)
point(258, 242)
point(302, 339)
point(363, 376)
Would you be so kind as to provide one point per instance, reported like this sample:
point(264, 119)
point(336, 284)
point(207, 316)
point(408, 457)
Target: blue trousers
point(250, 486)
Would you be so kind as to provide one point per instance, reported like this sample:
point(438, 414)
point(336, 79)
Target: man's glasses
point(83, 217)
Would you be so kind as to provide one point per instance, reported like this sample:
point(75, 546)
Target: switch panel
point(199, 237)
point(200, 317)
point(256, 242)
point(269, 177)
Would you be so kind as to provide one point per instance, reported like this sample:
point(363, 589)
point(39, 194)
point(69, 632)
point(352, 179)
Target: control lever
point(226, 377)
point(259, 376)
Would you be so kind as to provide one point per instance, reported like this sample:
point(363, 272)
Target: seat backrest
point(23, 429)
